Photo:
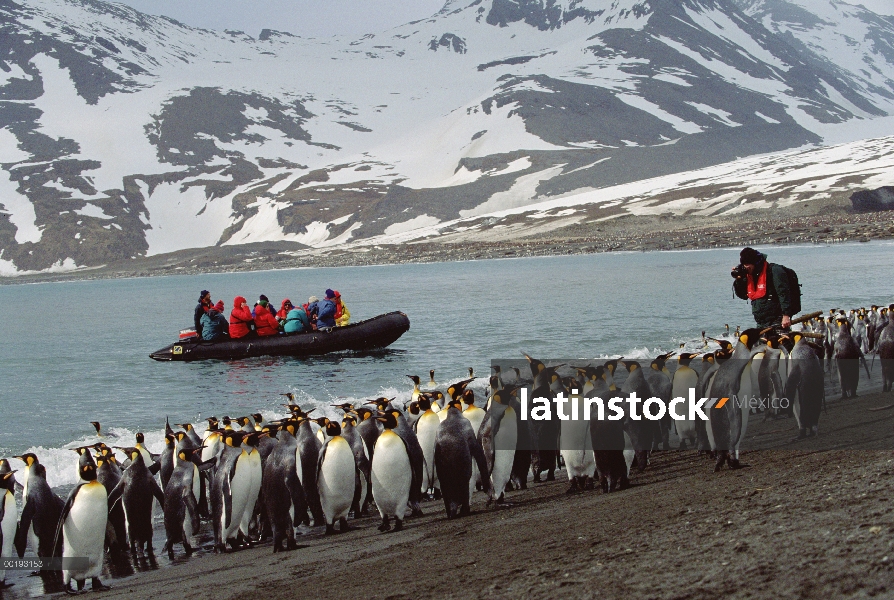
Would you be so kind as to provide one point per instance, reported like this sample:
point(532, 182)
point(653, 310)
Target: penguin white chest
point(8, 525)
point(84, 530)
point(335, 480)
point(391, 475)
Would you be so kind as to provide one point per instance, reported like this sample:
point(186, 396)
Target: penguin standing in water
point(181, 515)
point(82, 527)
point(498, 437)
point(282, 491)
point(135, 491)
point(805, 387)
point(40, 513)
point(392, 475)
point(336, 478)
point(685, 378)
point(9, 514)
point(456, 449)
point(725, 424)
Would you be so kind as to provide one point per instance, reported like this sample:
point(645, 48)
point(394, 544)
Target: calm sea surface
point(79, 351)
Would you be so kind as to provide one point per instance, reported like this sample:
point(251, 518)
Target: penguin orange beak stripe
point(721, 403)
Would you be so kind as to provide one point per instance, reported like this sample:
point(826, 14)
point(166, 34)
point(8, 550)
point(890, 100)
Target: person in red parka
point(240, 318)
point(284, 310)
point(265, 322)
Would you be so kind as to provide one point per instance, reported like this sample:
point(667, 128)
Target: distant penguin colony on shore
point(248, 480)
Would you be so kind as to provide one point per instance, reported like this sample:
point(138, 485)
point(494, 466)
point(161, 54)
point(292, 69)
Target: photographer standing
point(768, 287)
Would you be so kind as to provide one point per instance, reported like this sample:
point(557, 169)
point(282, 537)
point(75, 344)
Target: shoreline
point(680, 531)
point(626, 234)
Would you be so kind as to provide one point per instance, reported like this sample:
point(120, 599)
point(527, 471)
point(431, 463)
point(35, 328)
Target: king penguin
point(225, 513)
point(804, 386)
point(9, 513)
point(498, 437)
point(725, 424)
point(282, 491)
point(685, 379)
point(336, 478)
point(426, 431)
point(392, 474)
point(82, 527)
point(181, 515)
point(135, 491)
point(307, 456)
point(456, 449)
point(40, 513)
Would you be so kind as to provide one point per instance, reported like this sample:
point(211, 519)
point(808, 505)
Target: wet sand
point(805, 519)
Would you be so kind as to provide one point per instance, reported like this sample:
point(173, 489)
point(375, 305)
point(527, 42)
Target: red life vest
point(760, 290)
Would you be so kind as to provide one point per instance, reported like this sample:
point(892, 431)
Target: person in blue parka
point(214, 325)
point(296, 321)
point(326, 311)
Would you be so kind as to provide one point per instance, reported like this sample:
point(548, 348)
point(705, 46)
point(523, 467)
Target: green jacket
point(768, 311)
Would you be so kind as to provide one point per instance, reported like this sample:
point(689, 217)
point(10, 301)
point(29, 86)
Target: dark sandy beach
point(810, 519)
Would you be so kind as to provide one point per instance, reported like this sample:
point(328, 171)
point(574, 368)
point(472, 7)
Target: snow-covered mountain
point(124, 135)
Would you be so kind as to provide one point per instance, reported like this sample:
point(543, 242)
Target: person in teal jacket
point(214, 325)
point(296, 321)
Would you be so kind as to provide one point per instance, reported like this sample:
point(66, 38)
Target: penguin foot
point(802, 434)
point(574, 489)
point(4, 585)
point(398, 525)
point(343, 526)
point(386, 525)
point(71, 591)
point(330, 530)
point(735, 464)
point(99, 586)
point(551, 476)
point(590, 484)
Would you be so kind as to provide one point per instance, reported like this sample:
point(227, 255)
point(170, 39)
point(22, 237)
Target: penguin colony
point(249, 480)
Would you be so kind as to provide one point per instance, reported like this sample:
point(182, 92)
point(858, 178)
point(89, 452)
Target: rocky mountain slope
point(125, 135)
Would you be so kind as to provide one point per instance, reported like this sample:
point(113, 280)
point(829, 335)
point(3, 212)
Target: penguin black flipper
point(481, 460)
point(228, 496)
point(57, 539)
point(116, 493)
point(207, 465)
point(486, 441)
point(21, 540)
point(155, 467)
point(156, 491)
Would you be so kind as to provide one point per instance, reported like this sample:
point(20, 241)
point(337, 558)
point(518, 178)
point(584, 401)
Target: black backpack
point(794, 288)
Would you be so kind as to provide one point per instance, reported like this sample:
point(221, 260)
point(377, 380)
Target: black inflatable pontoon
point(370, 334)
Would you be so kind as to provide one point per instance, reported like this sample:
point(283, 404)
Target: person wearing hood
point(342, 314)
point(284, 309)
point(240, 318)
point(201, 308)
point(326, 311)
point(265, 302)
point(296, 321)
point(265, 322)
point(766, 285)
point(214, 325)
point(312, 308)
